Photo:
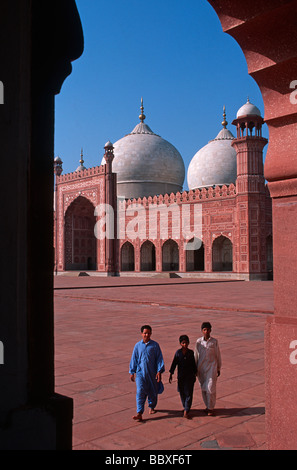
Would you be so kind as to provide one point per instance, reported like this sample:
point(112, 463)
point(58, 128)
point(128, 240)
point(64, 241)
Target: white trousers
point(209, 399)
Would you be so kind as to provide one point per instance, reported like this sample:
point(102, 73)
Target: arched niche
point(195, 257)
point(170, 256)
point(80, 240)
point(127, 257)
point(222, 254)
point(147, 256)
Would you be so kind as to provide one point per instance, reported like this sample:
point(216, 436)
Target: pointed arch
point(170, 256)
point(222, 254)
point(127, 257)
point(195, 258)
point(79, 237)
point(147, 256)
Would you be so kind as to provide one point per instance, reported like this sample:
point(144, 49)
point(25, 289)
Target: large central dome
point(146, 164)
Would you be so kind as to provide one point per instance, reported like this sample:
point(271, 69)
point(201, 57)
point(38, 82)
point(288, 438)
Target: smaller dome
point(248, 109)
point(80, 168)
point(214, 164)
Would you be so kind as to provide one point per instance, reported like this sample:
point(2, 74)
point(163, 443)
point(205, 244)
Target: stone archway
point(170, 256)
point(195, 258)
point(80, 241)
point(127, 257)
point(222, 254)
point(147, 256)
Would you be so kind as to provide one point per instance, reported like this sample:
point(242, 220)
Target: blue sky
point(173, 54)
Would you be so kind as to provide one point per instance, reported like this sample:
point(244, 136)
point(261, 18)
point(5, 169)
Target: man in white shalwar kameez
point(208, 360)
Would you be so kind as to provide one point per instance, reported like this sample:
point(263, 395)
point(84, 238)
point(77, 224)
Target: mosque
point(130, 215)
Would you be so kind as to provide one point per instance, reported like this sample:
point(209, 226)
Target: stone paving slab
point(97, 323)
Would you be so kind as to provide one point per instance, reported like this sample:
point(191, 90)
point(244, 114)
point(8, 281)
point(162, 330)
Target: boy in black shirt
point(186, 373)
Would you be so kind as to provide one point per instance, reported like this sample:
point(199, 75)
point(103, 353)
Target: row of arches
point(80, 248)
point(222, 256)
point(81, 252)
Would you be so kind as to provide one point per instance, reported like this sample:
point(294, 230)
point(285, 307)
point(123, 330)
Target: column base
point(280, 383)
point(40, 427)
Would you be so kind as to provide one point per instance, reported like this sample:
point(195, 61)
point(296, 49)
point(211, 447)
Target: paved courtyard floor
point(97, 323)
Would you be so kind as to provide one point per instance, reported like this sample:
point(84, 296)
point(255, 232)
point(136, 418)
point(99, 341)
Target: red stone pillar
point(41, 40)
point(111, 202)
point(58, 169)
point(281, 329)
point(266, 31)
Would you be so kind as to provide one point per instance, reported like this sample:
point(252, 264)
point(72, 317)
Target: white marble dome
point(214, 164)
point(146, 164)
point(248, 109)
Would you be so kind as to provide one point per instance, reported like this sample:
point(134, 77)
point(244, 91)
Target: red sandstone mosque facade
point(131, 216)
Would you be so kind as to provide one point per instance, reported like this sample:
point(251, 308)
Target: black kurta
point(186, 375)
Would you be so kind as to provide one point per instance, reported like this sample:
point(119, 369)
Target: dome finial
point(142, 116)
point(224, 123)
point(81, 161)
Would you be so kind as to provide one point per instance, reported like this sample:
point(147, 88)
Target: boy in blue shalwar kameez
point(148, 365)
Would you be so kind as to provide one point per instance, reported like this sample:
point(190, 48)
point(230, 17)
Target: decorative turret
point(249, 121)
point(250, 192)
point(249, 145)
point(58, 166)
point(108, 156)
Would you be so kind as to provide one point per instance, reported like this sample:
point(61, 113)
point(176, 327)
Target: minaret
point(249, 145)
point(251, 194)
point(111, 202)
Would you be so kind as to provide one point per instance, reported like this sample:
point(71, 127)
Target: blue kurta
point(146, 362)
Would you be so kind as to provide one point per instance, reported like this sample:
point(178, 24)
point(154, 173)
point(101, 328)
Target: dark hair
point(206, 324)
point(146, 327)
point(184, 338)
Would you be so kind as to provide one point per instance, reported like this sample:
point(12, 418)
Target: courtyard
point(97, 323)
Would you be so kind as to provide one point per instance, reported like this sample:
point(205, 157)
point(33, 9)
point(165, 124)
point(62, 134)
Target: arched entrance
point(170, 256)
point(195, 258)
point(80, 240)
point(147, 256)
point(222, 254)
point(127, 257)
